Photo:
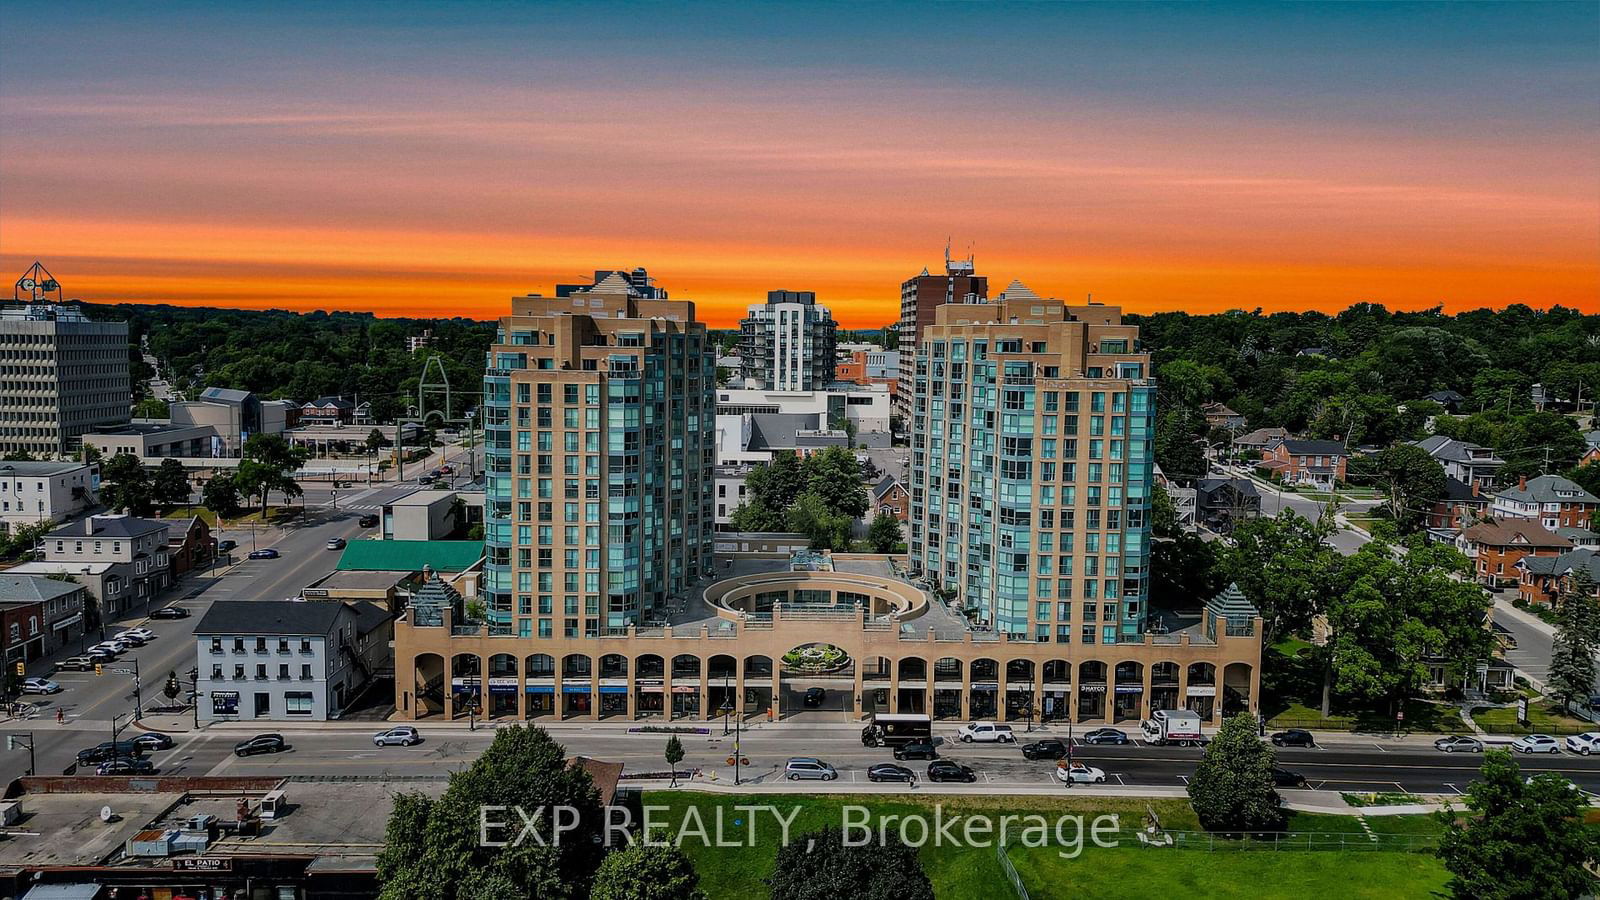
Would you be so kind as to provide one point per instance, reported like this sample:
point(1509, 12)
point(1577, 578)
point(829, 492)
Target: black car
point(152, 741)
point(368, 521)
point(126, 766)
point(916, 750)
point(170, 612)
point(261, 743)
point(947, 770)
point(1105, 736)
point(890, 772)
point(226, 546)
point(1293, 737)
point(106, 750)
point(815, 696)
point(267, 553)
point(1285, 778)
point(1050, 748)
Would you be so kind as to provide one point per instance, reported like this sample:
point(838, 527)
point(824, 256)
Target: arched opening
point(649, 673)
point(1091, 691)
point(1163, 686)
point(539, 675)
point(685, 687)
point(947, 672)
point(984, 693)
point(427, 691)
point(913, 695)
point(1129, 691)
point(1020, 684)
point(1236, 689)
point(722, 674)
point(875, 672)
point(757, 685)
point(1055, 700)
point(502, 685)
point(613, 685)
point(577, 685)
point(466, 684)
point(1201, 693)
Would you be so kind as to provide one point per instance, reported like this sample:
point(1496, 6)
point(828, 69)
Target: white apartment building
point(35, 492)
point(122, 560)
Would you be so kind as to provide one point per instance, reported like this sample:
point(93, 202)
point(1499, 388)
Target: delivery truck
point(1173, 726)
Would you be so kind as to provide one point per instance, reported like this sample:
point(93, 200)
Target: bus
point(885, 730)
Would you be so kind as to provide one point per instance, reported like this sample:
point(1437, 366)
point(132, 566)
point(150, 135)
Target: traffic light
point(97, 668)
point(22, 668)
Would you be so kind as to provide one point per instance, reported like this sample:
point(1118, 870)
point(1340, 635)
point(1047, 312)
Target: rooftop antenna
point(947, 251)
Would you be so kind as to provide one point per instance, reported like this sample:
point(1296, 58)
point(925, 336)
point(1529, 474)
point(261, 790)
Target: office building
point(920, 298)
point(61, 376)
point(599, 410)
point(1031, 466)
point(788, 343)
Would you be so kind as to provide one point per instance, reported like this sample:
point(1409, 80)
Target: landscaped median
point(1088, 846)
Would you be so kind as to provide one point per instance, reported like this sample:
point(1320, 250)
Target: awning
point(67, 623)
point(62, 892)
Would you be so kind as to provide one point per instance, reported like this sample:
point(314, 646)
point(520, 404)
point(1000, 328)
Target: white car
point(111, 647)
point(40, 686)
point(143, 634)
point(404, 735)
point(1536, 743)
point(1584, 744)
point(1078, 773)
point(986, 733)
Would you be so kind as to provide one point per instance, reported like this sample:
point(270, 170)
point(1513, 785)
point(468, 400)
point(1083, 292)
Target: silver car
point(404, 735)
point(804, 767)
point(1458, 743)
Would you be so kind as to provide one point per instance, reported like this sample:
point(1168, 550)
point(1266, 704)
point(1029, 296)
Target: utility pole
point(138, 696)
point(13, 741)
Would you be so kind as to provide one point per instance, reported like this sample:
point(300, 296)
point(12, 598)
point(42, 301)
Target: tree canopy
point(1232, 789)
point(646, 872)
point(821, 496)
point(819, 866)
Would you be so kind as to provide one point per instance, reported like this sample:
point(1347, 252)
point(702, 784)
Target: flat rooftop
point(64, 829)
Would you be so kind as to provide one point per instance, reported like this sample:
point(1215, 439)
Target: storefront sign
point(203, 863)
point(1092, 688)
point(1207, 690)
point(576, 689)
point(1130, 688)
point(225, 703)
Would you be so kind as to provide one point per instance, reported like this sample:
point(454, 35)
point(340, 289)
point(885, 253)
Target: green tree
point(125, 485)
point(1587, 476)
point(172, 688)
point(268, 465)
point(1186, 571)
point(643, 872)
point(1576, 641)
point(811, 516)
point(673, 755)
point(1523, 839)
point(432, 848)
point(1163, 513)
point(884, 533)
point(1411, 478)
point(1232, 789)
point(820, 866)
point(754, 515)
point(89, 453)
point(17, 456)
point(834, 476)
point(1284, 568)
point(22, 539)
point(151, 408)
point(171, 483)
point(374, 440)
point(221, 495)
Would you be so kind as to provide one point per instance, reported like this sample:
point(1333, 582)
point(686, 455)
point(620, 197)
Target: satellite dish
point(105, 814)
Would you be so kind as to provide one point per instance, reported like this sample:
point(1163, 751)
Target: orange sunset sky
point(413, 160)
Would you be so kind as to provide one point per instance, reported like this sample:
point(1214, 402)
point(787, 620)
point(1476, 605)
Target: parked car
point(1080, 773)
point(809, 767)
point(815, 696)
point(1049, 748)
point(1458, 743)
point(335, 543)
point(1293, 737)
point(447, 470)
point(40, 686)
point(100, 655)
point(143, 634)
point(75, 664)
point(1581, 744)
point(227, 546)
point(113, 648)
point(1105, 736)
point(261, 743)
point(369, 520)
point(404, 735)
point(126, 766)
point(1282, 777)
point(1536, 743)
point(264, 553)
point(106, 750)
point(950, 770)
point(890, 772)
point(151, 741)
point(916, 750)
point(986, 733)
point(170, 612)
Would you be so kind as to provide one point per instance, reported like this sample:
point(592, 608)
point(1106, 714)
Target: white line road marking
point(1452, 787)
point(1183, 778)
point(1121, 782)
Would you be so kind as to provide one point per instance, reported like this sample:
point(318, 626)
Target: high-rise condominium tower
point(920, 297)
point(788, 343)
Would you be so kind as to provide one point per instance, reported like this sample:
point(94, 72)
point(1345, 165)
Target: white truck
point(1173, 726)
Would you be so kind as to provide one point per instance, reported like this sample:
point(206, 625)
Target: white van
point(986, 733)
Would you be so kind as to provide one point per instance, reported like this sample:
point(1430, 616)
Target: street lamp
point(727, 704)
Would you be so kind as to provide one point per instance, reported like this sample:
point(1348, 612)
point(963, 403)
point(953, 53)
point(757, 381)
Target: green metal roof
point(409, 556)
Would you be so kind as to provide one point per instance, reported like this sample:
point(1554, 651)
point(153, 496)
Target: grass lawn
point(971, 871)
point(1137, 872)
point(1291, 697)
point(1543, 716)
point(275, 514)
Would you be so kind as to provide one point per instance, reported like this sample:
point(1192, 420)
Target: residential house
point(1592, 455)
point(890, 496)
point(1452, 401)
point(731, 489)
point(44, 492)
point(61, 602)
point(189, 544)
point(1259, 440)
point(1496, 547)
point(286, 660)
point(1580, 537)
point(1552, 501)
point(1315, 463)
point(362, 415)
point(1219, 416)
point(1222, 503)
point(1467, 462)
point(1544, 578)
point(328, 411)
point(1462, 505)
point(122, 560)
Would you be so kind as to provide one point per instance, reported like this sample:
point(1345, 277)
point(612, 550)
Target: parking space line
point(987, 777)
point(1380, 748)
point(1453, 788)
point(1121, 782)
